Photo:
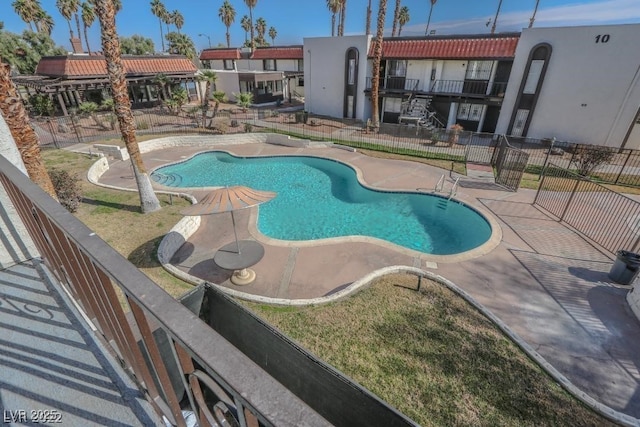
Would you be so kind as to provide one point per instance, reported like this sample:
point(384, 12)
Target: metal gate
point(480, 149)
point(509, 164)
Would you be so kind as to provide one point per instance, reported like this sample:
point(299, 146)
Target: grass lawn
point(432, 356)
point(115, 216)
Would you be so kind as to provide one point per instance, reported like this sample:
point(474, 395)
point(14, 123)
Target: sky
point(296, 19)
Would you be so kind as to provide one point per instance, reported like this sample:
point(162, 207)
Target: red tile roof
point(490, 47)
point(208, 54)
point(284, 52)
point(87, 66)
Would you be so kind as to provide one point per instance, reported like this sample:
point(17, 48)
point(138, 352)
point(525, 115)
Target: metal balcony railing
point(469, 87)
point(396, 83)
point(153, 335)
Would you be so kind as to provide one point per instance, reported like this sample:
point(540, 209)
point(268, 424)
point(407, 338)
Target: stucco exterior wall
point(324, 65)
point(591, 90)
point(15, 243)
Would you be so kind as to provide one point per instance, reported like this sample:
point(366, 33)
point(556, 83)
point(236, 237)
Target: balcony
point(227, 368)
point(397, 84)
point(477, 88)
point(469, 87)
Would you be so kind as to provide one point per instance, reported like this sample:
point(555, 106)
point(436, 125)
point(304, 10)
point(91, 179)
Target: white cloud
point(602, 12)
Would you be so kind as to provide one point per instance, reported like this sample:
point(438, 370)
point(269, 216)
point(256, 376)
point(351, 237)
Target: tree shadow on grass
point(146, 255)
point(111, 206)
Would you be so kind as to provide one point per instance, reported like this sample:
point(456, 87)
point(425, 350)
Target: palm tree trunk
point(253, 41)
point(26, 140)
point(377, 57)
point(368, 24)
point(70, 29)
point(86, 40)
point(333, 24)
point(343, 11)
point(161, 34)
point(533, 17)
point(205, 103)
point(111, 47)
point(396, 14)
point(228, 38)
point(78, 28)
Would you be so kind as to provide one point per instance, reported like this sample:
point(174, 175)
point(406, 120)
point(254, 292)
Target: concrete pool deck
point(545, 281)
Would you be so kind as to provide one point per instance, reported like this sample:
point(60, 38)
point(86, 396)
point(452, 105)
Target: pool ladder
point(440, 187)
point(454, 189)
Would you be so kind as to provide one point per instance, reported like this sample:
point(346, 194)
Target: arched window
point(530, 86)
point(350, 82)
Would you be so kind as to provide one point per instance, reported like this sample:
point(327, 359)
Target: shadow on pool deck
point(544, 280)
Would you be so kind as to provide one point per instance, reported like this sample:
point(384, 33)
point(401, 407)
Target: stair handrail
point(440, 184)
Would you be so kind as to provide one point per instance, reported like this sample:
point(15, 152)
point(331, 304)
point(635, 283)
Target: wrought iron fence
point(510, 164)
point(610, 219)
point(620, 166)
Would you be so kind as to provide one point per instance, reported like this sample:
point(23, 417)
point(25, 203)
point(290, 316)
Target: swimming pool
point(322, 198)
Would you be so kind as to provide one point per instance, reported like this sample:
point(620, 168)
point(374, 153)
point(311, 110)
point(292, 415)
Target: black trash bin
point(626, 267)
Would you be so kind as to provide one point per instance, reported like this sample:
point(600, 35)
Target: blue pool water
point(319, 198)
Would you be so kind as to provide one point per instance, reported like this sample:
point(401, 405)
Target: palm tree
point(533, 17)
point(162, 80)
point(88, 16)
point(396, 14)
point(228, 15)
point(27, 10)
point(181, 44)
point(67, 8)
point(368, 24)
point(177, 19)
point(158, 9)
point(106, 13)
point(251, 4)
point(218, 96)
point(495, 20)
point(245, 23)
point(244, 100)
point(26, 139)
point(334, 7)
point(44, 22)
point(209, 77)
point(377, 58)
point(403, 18)
point(272, 35)
point(261, 28)
point(433, 3)
point(343, 11)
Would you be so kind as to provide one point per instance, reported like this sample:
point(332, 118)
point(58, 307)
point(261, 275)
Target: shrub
point(248, 127)
point(302, 116)
point(42, 105)
point(234, 123)
point(142, 124)
point(586, 159)
point(67, 188)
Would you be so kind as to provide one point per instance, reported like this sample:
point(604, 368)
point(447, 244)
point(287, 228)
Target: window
point(206, 65)
point(535, 70)
point(478, 70)
point(278, 86)
point(301, 81)
point(260, 87)
point(392, 105)
point(520, 121)
point(300, 65)
point(246, 86)
point(472, 112)
point(397, 68)
point(228, 64)
point(269, 64)
point(352, 72)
